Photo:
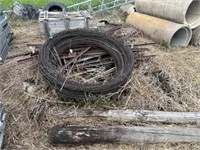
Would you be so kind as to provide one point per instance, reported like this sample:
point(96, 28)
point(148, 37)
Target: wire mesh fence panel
point(92, 6)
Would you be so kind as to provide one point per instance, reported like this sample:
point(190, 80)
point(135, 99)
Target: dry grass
point(179, 70)
point(31, 115)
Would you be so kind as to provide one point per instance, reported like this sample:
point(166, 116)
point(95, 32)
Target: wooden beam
point(141, 116)
point(63, 135)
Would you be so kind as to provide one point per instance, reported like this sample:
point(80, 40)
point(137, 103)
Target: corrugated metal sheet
point(2, 124)
point(4, 36)
point(1, 10)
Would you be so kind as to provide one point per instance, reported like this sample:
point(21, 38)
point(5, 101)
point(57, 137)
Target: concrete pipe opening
point(181, 37)
point(192, 16)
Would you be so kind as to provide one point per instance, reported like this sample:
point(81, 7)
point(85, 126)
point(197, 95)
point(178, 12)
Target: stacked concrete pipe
point(196, 37)
point(179, 11)
point(181, 16)
point(161, 30)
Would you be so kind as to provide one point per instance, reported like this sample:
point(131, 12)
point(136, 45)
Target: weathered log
point(63, 135)
point(141, 116)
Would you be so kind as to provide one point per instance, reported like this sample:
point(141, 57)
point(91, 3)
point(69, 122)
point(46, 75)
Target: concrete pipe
point(128, 8)
point(180, 11)
point(161, 30)
point(196, 37)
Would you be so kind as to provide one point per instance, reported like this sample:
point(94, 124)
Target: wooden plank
point(63, 135)
point(141, 116)
point(153, 116)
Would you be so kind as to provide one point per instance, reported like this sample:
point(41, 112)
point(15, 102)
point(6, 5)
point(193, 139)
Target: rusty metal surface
point(62, 74)
point(88, 65)
point(117, 31)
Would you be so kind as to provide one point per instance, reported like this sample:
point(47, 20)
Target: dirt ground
point(32, 114)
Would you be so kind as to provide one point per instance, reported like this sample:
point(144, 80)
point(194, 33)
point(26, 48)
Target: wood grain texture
point(63, 135)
